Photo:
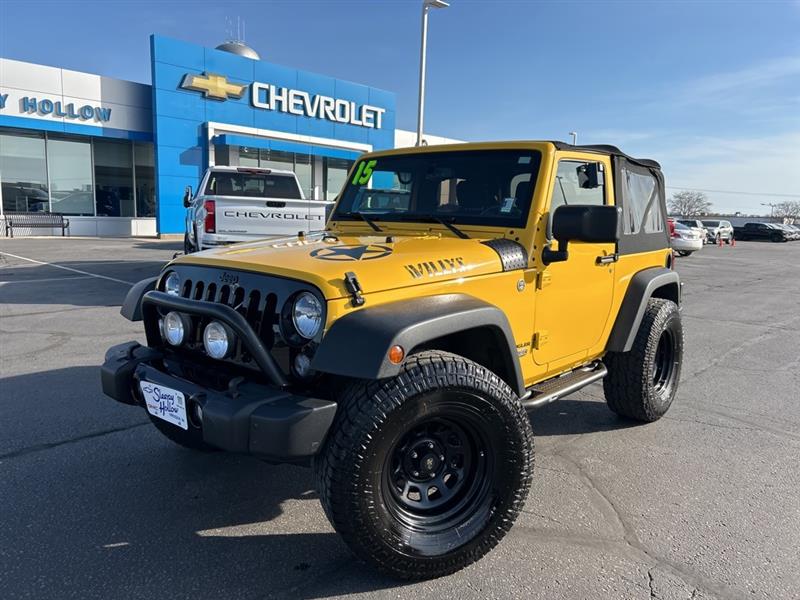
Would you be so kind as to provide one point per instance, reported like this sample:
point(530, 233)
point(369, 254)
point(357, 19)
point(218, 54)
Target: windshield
point(252, 185)
point(711, 223)
point(473, 187)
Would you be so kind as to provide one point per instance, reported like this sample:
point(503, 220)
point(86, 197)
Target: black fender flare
point(658, 282)
point(357, 344)
point(132, 306)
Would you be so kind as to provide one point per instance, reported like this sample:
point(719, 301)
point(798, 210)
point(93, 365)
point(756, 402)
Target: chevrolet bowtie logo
point(213, 86)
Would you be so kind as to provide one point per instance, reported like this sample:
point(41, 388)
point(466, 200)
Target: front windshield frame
point(710, 223)
point(420, 182)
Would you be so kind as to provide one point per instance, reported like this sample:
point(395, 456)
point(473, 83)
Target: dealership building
point(115, 156)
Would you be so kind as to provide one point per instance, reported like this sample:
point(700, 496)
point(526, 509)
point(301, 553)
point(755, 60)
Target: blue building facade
point(116, 156)
point(209, 105)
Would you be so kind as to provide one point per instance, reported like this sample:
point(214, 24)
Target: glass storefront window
point(302, 168)
point(248, 157)
point(275, 159)
point(336, 170)
point(70, 164)
point(113, 178)
point(145, 179)
point(23, 173)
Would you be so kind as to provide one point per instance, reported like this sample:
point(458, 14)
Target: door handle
point(274, 204)
point(607, 259)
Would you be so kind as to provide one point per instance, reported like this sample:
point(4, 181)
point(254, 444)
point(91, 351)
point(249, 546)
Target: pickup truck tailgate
point(266, 217)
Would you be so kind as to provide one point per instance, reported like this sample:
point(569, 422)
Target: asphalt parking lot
point(96, 504)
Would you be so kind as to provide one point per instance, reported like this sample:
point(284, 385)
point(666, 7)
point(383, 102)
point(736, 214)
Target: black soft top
point(608, 149)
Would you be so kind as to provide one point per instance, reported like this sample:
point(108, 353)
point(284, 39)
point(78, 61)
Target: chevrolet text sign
point(296, 102)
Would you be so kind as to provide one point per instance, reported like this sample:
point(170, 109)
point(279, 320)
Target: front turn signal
point(396, 354)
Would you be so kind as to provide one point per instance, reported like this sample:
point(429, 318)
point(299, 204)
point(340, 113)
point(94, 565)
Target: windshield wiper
point(442, 221)
point(362, 217)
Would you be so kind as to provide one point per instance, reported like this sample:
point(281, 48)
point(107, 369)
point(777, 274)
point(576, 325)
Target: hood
point(377, 263)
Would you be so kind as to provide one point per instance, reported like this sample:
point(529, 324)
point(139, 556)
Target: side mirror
point(590, 176)
point(187, 196)
point(582, 223)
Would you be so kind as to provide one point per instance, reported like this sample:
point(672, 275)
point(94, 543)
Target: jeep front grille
point(258, 307)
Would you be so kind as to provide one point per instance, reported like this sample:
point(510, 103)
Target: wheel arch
point(357, 344)
point(656, 282)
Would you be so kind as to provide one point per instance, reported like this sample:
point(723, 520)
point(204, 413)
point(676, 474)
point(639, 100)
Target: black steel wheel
point(439, 471)
point(424, 473)
point(664, 362)
point(641, 383)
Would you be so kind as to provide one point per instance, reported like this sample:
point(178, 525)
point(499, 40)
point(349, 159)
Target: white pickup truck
point(242, 204)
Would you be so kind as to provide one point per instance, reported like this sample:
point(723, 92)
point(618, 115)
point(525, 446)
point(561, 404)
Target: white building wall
point(407, 139)
point(130, 102)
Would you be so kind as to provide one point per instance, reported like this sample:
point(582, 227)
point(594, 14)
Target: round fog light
point(217, 339)
point(174, 328)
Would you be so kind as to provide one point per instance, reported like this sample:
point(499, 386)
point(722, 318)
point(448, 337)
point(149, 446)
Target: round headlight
point(173, 284)
point(217, 340)
point(307, 315)
point(174, 328)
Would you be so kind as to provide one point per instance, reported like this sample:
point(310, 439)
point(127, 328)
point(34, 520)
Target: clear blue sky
point(711, 89)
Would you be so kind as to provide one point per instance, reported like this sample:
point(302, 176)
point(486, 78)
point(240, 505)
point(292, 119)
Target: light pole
point(771, 209)
point(426, 5)
point(574, 135)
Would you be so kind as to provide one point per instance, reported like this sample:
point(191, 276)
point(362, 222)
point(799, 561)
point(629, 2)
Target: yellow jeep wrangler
point(398, 351)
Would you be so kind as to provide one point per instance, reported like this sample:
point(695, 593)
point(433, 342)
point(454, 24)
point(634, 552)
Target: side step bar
point(551, 390)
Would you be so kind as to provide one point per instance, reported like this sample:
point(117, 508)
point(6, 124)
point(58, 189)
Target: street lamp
point(426, 5)
point(574, 135)
point(771, 209)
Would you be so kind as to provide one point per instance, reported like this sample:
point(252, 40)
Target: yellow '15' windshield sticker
point(364, 172)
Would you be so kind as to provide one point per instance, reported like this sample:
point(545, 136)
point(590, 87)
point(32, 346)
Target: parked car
point(761, 231)
point(697, 225)
point(686, 240)
point(338, 349)
point(718, 230)
point(796, 228)
point(791, 233)
point(244, 204)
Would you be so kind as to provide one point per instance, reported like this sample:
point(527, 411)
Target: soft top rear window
point(253, 185)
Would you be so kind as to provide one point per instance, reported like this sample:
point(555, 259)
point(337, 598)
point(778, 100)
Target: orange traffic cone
point(733, 242)
point(720, 241)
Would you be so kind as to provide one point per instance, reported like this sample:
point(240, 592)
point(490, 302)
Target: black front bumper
point(249, 418)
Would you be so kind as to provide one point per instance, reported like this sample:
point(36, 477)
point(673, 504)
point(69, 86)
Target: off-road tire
point(635, 387)
point(187, 438)
point(355, 469)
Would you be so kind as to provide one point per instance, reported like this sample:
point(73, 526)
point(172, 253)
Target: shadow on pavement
point(108, 508)
point(176, 246)
point(571, 417)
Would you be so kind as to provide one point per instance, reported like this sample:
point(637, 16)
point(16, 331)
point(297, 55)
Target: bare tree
point(787, 209)
point(689, 204)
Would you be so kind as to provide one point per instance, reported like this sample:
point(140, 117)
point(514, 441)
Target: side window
point(572, 187)
point(640, 209)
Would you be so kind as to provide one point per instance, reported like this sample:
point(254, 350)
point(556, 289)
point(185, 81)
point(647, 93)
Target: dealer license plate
point(165, 403)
